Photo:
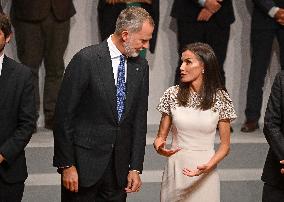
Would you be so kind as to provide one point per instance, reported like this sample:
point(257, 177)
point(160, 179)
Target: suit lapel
point(133, 70)
point(107, 78)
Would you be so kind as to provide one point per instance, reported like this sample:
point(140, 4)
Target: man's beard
point(129, 51)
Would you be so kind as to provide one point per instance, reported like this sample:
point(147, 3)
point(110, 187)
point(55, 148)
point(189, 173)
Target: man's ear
point(8, 38)
point(124, 35)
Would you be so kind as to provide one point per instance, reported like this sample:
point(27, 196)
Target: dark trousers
point(43, 41)
point(261, 43)
point(272, 193)
point(11, 192)
point(105, 190)
point(207, 32)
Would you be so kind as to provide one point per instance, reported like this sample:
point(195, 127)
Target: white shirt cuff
point(273, 11)
point(201, 2)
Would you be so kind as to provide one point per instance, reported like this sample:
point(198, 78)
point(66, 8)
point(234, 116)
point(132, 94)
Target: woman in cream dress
point(194, 108)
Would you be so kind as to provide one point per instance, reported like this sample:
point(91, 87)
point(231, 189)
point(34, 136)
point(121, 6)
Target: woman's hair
point(132, 19)
point(211, 77)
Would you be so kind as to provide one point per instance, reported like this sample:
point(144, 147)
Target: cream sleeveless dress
point(194, 133)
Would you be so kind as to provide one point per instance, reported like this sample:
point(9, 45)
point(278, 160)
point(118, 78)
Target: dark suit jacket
point(17, 119)
point(87, 132)
point(107, 15)
point(260, 17)
point(274, 133)
point(188, 10)
point(37, 10)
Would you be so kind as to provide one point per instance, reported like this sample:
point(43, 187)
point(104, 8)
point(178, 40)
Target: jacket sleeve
point(140, 125)
point(74, 81)
point(26, 122)
point(265, 5)
point(273, 119)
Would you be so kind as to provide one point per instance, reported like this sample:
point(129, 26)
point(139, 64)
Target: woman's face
point(191, 69)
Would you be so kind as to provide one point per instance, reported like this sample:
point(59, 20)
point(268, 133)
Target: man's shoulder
point(11, 63)
point(93, 50)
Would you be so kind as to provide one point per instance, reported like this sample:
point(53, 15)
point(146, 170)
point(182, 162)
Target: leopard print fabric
point(223, 103)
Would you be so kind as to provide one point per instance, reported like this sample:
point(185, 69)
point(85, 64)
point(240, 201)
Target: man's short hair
point(5, 24)
point(132, 19)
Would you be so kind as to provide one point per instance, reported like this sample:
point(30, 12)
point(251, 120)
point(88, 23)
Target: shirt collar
point(1, 62)
point(114, 52)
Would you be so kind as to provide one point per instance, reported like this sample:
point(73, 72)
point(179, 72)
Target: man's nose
point(181, 66)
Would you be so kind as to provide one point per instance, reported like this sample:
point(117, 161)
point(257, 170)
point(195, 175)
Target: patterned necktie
point(120, 87)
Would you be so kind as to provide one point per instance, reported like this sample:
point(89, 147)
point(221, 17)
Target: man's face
point(3, 41)
point(134, 42)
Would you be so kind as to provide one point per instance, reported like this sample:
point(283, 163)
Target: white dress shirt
point(115, 58)
point(1, 62)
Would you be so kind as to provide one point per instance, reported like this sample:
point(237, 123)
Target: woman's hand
point(204, 168)
point(159, 145)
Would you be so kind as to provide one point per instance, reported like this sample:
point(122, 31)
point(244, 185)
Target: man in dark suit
point(17, 119)
point(267, 23)
point(205, 21)
point(273, 172)
point(101, 114)
point(42, 31)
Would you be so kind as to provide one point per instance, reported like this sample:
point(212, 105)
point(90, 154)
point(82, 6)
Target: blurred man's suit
point(273, 190)
point(264, 29)
point(42, 31)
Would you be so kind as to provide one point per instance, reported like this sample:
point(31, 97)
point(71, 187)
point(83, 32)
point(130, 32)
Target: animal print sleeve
point(167, 101)
point(224, 106)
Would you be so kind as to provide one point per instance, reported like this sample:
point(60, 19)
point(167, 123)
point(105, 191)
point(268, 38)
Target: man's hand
point(213, 5)
point(204, 15)
point(159, 145)
point(70, 179)
point(134, 182)
point(1, 158)
point(279, 16)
